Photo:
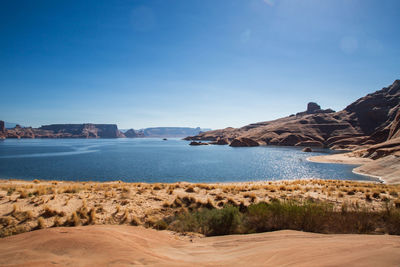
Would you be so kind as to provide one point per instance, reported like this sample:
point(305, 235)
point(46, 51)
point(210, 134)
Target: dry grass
point(58, 203)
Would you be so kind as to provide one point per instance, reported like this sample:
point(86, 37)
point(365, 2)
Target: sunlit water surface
point(155, 160)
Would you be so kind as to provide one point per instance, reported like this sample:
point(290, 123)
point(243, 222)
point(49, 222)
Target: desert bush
point(307, 216)
point(10, 191)
point(41, 224)
point(209, 222)
point(48, 212)
point(190, 189)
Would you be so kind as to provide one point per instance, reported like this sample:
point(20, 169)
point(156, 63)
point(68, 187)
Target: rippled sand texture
point(128, 245)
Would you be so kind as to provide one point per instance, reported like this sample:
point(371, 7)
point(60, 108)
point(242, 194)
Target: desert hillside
point(366, 121)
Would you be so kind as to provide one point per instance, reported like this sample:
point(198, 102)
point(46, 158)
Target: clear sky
point(207, 63)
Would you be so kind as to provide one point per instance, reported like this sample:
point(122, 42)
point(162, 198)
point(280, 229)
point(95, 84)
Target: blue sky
point(207, 63)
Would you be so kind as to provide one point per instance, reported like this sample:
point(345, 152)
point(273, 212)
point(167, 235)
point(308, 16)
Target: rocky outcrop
point(314, 108)
point(220, 141)
point(368, 121)
point(243, 142)
point(194, 143)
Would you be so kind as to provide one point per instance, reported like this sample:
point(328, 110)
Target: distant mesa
point(91, 130)
point(161, 132)
point(131, 133)
point(86, 130)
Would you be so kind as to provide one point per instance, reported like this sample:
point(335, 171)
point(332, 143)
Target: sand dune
point(128, 245)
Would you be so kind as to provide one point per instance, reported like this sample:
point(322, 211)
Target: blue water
point(155, 160)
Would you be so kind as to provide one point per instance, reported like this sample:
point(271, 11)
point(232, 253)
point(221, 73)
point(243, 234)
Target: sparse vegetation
point(163, 206)
point(278, 215)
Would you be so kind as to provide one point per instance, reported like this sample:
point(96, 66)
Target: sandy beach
point(386, 169)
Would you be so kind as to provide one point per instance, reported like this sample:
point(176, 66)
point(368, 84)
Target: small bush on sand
point(209, 222)
point(41, 224)
point(278, 215)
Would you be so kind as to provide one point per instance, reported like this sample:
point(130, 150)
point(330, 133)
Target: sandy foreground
point(30, 205)
point(33, 216)
point(386, 169)
point(128, 245)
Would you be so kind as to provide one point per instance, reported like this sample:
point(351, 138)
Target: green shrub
point(307, 216)
point(209, 221)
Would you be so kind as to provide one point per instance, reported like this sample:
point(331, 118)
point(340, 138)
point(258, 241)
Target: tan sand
point(344, 158)
point(386, 169)
point(129, 245)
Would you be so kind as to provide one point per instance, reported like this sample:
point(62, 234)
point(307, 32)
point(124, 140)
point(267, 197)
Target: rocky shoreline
point(369, 127)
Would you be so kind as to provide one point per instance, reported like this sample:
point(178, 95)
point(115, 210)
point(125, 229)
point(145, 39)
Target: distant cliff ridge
point(164, 132)
point(85, 130)
point(91, 130)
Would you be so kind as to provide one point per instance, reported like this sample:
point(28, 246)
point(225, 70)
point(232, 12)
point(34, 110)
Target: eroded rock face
point(369, 120)
point(394, 129)
point(374, 111)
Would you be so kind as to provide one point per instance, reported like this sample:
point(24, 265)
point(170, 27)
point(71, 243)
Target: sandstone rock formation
point(313, 108)
point(194, 143)
point(86, 130)
point(243, 141)
point(367, 121)
point(220, 141)
point(307, 149)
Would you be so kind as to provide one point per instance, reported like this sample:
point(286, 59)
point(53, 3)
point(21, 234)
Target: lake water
point(155, 160)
